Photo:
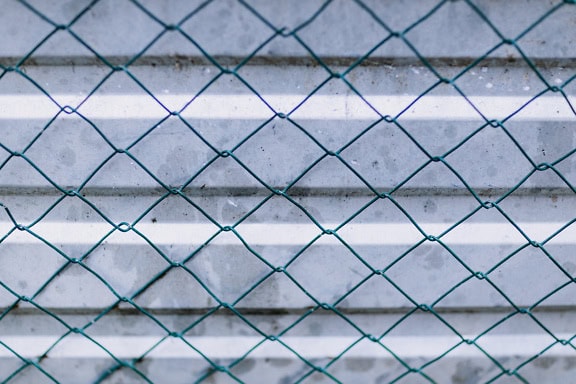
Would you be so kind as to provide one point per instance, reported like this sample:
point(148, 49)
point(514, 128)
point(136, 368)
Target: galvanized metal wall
point(432, 154)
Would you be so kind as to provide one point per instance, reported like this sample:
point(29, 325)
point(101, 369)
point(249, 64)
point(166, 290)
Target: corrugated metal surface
point(100, 111)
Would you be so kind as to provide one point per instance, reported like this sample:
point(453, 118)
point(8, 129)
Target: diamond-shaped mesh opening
point(339, 21)
point(551, 141)
point(70, 161)
point(501, 163)
point(341, 270)
point(97, 35)
point(234, 29)
point(122, 110)
point(337, 102)
point(111, 260)
point(420, 269)
point(293, 152)
point(244, 191)
point(181, 160)
point(532, 43)
point(228, 269)
point(384, 156)
point(468, 34)
point(225, 119)
point(523, 264)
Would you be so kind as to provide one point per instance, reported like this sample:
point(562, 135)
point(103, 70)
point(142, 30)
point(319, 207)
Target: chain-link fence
point(274, 162)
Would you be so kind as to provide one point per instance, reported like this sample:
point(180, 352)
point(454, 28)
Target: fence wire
point(278, 33)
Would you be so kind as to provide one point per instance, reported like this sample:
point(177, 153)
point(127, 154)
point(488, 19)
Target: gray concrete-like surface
point(224, 138)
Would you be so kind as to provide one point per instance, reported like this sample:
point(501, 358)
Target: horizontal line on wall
point(282, 58)
point(296, 191)
point(232, 347)
point(381, 313)
point(318, 107)
point(291, 234)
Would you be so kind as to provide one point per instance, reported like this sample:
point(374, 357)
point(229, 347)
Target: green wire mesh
point(280, 35)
